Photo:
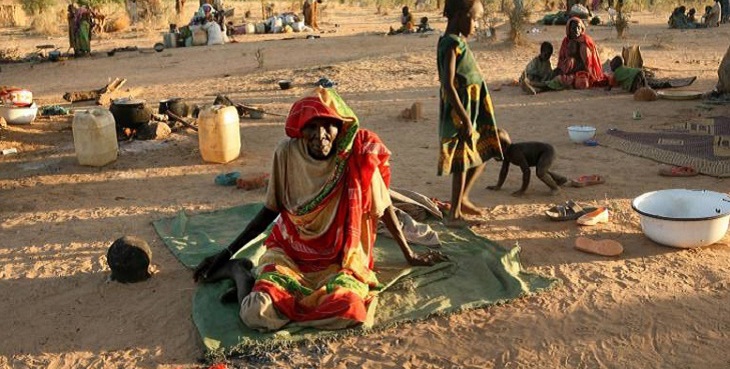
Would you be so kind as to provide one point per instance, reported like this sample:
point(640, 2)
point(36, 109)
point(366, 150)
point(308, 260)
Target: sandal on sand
point(599, 215)
point(676, 171)
point(227, 179)
point(588, 180)
point(253, 182)
point(568, 211)
point(599, 247)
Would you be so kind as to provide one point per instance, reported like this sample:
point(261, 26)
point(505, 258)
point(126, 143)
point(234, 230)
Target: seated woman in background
point(679, 19)
point(205, 14)
point(579, 65)
point(712, 18)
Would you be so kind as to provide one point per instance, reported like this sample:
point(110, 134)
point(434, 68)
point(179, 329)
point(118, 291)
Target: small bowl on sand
point(284, 84)
point(581, 134)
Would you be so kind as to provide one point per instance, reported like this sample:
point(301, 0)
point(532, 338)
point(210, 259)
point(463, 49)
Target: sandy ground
point(652, 307)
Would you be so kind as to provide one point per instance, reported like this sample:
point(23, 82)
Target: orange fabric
point(342, 303)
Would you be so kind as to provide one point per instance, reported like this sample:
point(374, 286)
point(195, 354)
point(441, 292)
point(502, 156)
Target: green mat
point(479, 273)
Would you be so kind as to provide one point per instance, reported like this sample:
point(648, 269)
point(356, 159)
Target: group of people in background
point(712, 17)
point(579, 65)
point(408, 25)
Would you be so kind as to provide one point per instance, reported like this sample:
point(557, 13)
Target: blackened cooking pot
point(130, 113)
point(175, 105)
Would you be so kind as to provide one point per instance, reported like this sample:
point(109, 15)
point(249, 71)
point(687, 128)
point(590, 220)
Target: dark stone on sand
point(129, 259)
point(154, 131)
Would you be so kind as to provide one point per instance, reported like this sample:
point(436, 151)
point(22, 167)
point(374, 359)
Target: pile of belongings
point(282, 23)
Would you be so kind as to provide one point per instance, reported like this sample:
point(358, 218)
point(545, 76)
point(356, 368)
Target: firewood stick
point(177, 118)
point(93, 94)
point(244, 107)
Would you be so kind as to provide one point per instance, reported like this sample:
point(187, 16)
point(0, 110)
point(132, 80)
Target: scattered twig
point(178, 118)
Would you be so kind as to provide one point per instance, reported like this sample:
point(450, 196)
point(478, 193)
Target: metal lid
point(128, 101)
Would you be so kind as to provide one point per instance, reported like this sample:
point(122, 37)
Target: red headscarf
point(305, 110)
point(593, 64)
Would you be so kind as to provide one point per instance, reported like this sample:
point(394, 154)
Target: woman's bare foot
point(468, 208)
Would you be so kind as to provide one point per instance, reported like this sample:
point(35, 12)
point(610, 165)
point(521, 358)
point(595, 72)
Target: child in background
point(406, 19)
point(538, 71)
point(467, 126)
point(692, 16)
point(424, 26)
point(630, 79)
point(406, 22)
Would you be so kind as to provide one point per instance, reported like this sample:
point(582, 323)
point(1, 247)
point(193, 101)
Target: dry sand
point(652, 307)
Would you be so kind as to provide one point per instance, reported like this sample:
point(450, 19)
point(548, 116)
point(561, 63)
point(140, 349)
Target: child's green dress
point(456, 155)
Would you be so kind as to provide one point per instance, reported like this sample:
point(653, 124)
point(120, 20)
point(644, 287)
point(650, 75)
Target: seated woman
point(680, 20)
point(328, 188)
point(579, 65)
point(712, 18)
point(205, 14)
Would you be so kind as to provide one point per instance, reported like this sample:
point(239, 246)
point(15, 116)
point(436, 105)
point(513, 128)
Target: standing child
point(467, 127)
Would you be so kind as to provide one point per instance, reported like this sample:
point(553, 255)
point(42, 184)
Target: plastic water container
point(170, 40)
point(260, 28)
point(250, 28)
point(95, 137)
point(219, 135)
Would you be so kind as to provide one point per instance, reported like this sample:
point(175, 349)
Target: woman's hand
point(210, 265)
point(466, 131)
point(427, 258)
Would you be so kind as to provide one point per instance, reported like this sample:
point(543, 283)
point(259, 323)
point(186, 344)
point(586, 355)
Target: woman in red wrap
point(578, 59)
point(328, 189)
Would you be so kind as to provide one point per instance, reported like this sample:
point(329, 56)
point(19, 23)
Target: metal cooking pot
point(130, 113)
point(176, 105)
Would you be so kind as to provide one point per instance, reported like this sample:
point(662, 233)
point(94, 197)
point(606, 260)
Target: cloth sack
point(215, 34)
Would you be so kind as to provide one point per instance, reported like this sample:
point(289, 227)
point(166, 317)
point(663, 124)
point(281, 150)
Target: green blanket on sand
point(479, 273)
